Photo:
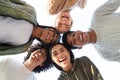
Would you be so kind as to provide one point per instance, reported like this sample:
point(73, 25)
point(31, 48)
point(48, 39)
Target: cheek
point(55, 60)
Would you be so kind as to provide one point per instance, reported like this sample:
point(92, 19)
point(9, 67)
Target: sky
point(81, 20)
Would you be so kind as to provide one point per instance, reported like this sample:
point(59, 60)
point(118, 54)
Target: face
point(60, 56)
point(78, 38)
point(38, 57)
point(49, 36)
point(63, 22)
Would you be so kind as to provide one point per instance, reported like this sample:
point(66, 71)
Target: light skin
point(36, 59)
point(63, 21)
point(46, 35)
point(61, 57)
point(79, 38)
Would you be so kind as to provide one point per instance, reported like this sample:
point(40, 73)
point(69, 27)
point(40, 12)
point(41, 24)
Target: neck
point(68, 68)
point(92, 36)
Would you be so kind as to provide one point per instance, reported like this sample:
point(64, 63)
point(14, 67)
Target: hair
point(49, 27)
point(68, 49)
point(64, 40)
point(47, 64)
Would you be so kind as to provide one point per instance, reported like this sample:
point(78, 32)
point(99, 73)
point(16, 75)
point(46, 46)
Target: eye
point(55, 54)
point(73, 34)
point(62, 50)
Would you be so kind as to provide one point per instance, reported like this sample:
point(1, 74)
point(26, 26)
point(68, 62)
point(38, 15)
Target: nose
point(63, 22)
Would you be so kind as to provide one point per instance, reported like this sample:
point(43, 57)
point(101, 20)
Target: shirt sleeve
point(2, 62)
point(108, 7)
point(91, 70)
point(11, 65)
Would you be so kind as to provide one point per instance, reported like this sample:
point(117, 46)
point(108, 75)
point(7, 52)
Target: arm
point(10, 50)
point(55, 6)
point(91, 70)
point(108, 8)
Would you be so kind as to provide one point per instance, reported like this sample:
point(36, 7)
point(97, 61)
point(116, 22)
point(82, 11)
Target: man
point(104, 32)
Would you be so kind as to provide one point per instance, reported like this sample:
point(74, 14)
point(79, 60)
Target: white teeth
point(61, 59)
point(81, 38)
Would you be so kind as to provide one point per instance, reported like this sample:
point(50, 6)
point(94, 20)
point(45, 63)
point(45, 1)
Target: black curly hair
point(68, 49)
point(47, 64)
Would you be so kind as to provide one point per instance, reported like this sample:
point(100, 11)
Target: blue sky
point(81, 18)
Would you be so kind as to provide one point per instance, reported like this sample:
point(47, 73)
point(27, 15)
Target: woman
point(19, 27)
point(72, 69)
point(62, 8)
point(35, 61)
point(63, 21)
point(104, 32)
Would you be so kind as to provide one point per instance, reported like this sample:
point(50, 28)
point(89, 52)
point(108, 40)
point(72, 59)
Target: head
point(75, 39)
point(63, 21)
point(46, 35)
point(38, 56)
point(61, 56)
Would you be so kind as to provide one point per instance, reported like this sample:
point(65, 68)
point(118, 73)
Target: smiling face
point(49, 36)
point(63, 22)
point(61, 57)
point(38, 57)
point(78, 38)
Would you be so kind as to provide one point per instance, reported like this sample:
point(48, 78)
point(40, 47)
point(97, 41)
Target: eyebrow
point(58, 50)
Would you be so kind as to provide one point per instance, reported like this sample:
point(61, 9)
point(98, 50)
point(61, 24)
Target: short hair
point(64, 40)
point(49, 27)
point(47, 64)
point(68, 49)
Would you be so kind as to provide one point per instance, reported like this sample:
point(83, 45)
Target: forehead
point(57, 48)
point(52, 30)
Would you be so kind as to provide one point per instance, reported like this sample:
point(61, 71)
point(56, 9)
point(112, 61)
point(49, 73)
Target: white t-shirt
point(11, 69)
point(13, 31)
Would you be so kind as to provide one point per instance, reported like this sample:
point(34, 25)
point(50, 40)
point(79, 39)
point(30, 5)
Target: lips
point(65, 16)
point(62, 59)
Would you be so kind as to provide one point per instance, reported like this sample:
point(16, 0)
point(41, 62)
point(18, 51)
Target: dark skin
point(79, 38)
point(46, 35)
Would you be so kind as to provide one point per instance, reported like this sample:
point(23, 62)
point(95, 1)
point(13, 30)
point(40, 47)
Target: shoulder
point(83, 61)
point(83, 58)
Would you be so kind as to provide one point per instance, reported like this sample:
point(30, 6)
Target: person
point(63, 21)
point(34, 62)
point(103, 34)
point(62, 8)
point(56, 6)
point(21, 27)
point(72, 69)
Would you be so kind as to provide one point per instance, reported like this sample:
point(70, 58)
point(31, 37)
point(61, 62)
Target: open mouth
point(65, 16)
point(62, 59)
point(81, 37)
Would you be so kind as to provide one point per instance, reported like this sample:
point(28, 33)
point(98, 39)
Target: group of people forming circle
point(19, 28)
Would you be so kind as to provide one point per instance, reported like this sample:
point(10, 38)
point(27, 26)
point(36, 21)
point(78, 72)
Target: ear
point(79, 47)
